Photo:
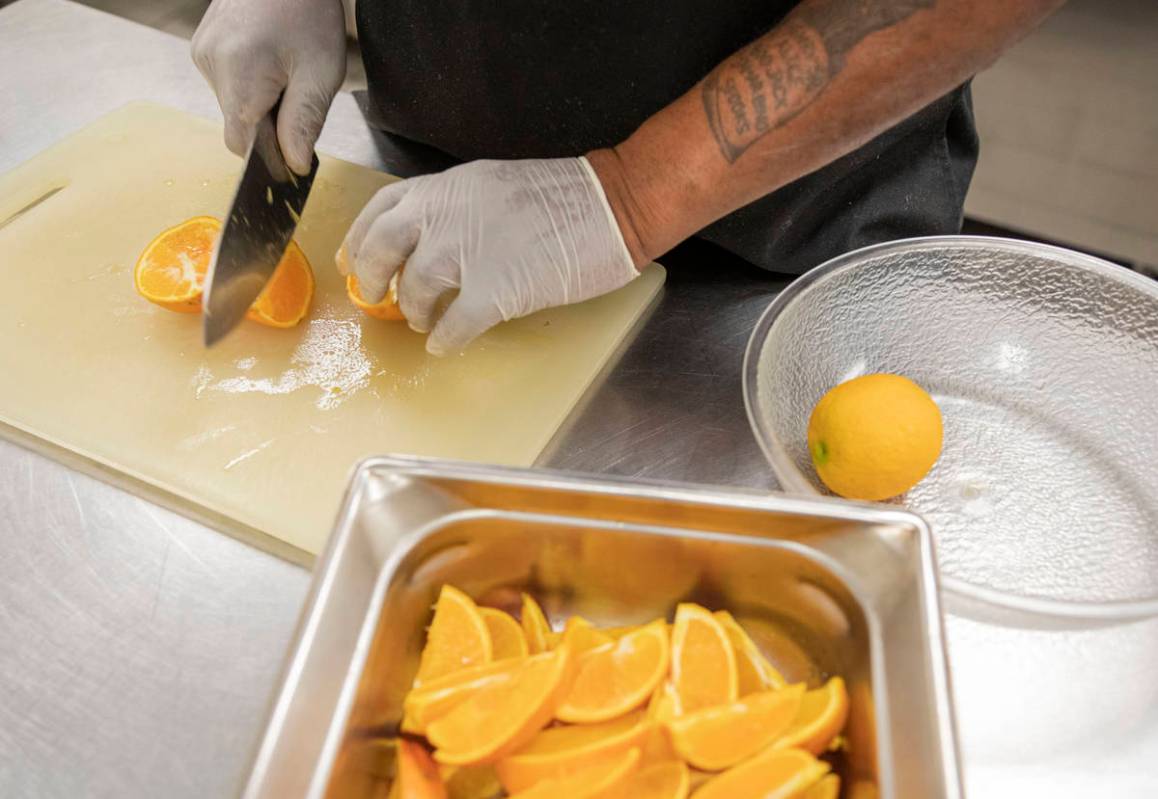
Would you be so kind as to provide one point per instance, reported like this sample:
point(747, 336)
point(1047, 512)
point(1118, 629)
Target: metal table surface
point(139, 649)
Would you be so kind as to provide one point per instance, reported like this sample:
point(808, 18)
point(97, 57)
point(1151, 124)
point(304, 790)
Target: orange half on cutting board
point(171, 273)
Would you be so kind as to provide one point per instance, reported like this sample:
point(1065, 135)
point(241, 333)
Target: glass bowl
point(1044, 363)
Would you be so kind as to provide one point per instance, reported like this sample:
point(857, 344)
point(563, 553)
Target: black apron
point(523, 79)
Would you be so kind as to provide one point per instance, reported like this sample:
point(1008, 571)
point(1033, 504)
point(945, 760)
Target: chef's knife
point(261, 222)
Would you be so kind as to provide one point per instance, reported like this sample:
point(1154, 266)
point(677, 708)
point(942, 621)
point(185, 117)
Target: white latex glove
point(251, 51)
point(513, 237)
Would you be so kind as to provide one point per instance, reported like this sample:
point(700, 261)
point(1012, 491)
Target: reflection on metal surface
point(832, 589)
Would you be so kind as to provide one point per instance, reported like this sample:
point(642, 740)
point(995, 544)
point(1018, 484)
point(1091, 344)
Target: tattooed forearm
point(779, 75)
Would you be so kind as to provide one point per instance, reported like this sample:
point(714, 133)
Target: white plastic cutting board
point(265, 428)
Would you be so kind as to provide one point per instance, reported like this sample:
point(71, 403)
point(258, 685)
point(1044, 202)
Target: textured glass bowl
point(1045, 365)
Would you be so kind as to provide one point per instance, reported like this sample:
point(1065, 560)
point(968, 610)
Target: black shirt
point(527, 79)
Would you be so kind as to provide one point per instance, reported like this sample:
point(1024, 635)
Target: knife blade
point(262, 219)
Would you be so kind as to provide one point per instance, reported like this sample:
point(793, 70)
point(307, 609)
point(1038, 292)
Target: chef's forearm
point(830, 77)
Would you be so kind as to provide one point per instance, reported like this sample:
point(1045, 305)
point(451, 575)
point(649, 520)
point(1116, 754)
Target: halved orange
point(716, 738)
point(507, 639)
point(535, 626)
point(171, 273)
point(386, 309)
point(417, 775)
point(753, 670)
point(171, 270)
point(286, 298)
point(667, 780)
point(774, 774)
point(457, 638)
point(501, 718)
point(591, 782)
point(703, 663)
point(827, 787)
point(435, 698)
point(561, 751)
point(618, 677)
point(819, 720)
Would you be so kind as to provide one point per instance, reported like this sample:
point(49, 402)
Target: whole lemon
point(874, 437)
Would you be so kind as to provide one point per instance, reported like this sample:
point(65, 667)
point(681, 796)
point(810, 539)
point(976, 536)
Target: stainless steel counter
point(138, 649)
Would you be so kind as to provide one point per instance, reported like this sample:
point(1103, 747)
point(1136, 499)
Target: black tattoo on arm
point(779, 75)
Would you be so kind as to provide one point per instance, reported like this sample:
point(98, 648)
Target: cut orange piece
point(386, 309)
point(171, 270)
point(703, 664)
point(775, 774)
point(828, 787)
point(285, 300)
point(457, 638)
point(588, 783)
point(716, 738)
point(436, 698)
point(819, 720)
point(507, 639)
point(667, 780)
point(616, 678)
point(562, 751)
point(661, 706)
point(417, 776)
point(171, 273)
point(535, 626)
point(753, 670)
point(471, 782)
point(582, 635)
point(501, 718)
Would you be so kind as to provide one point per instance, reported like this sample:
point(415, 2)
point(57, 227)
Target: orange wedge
point(507, 639)
point(535, 626)
point(171, 273)
point(457, 638)
point(286, 298)
point(828, 787)
point(618, 677)
point(171, 270)
point(819, 720)
point(716, 738)
point(775, 774)
point(591, 782)
point(436, 698)
point(386, 309)
point(500, 718)
point(417, 776)
point(753, 670)
point(562, 751)
point(667, 780)
point(582, 635)
point(471, 782)
point(703, 663)
point(661, 706)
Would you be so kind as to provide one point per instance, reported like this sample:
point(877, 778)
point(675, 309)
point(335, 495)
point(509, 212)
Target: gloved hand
point(513, 237)
point(251, 51)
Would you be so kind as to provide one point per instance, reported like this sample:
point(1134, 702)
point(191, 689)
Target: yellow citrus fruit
point(665, 780)
point(827, 787)
point(417, 774)
point(582, 635)
point(507, 639)
point(589, 783)
point(716, 738)
point(753, 670)
point(535, 626)
point(617, 677)
point(458, 637)
point(703, 663)
point(171, 273)
point(562, 751)
point(874, 437)
point(773, 774)
point(435, 698)
point(819, 719)
point(501, 718)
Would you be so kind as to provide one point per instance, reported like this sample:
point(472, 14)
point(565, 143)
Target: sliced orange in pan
point(617, 677)
point(716, 738)
point(703, 663)
point(458, 637)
